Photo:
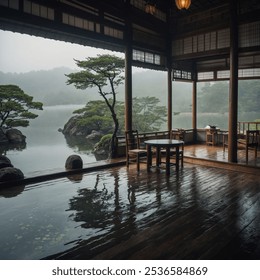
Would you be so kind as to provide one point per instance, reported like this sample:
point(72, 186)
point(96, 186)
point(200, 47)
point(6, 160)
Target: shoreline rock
point(5, 162)
point(12, 136)
point(8, 174)
point(74, 162)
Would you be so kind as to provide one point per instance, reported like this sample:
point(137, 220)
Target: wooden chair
point(224, 139)
point(250, 142)
point(181, 149)
point(133, 151)
point(178, 134)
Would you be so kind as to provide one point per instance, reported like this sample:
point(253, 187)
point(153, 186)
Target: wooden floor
point(200, 212)
point(216, 153)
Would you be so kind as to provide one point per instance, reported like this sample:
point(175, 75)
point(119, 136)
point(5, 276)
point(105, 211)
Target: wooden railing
point(189, 133)
point(120, 140)
point(242, 127)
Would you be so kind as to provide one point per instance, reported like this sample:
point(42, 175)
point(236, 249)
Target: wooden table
point(167, 144)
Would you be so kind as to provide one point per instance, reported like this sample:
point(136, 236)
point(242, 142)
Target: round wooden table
point(167, 144)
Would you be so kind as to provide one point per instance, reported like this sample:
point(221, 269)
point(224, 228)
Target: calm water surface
point(47, 218)
point(47, 148)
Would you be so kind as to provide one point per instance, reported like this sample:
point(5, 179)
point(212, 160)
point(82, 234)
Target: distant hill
point(49, 87)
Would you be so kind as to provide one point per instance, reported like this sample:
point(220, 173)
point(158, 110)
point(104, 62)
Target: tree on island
point(148, 116)
point(15, 106)
point(103, 72)
point(96, 116)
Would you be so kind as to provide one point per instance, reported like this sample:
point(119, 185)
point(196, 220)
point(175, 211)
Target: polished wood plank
point(200, 212)
point(205, 228)
point(216, 153)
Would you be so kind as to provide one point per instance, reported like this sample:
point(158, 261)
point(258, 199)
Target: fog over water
point(46, 147)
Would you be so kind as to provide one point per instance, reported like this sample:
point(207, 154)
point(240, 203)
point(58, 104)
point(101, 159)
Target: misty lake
point(47, 148)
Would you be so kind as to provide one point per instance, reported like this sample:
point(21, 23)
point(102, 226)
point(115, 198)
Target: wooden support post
point(128, 71)
point(169, 75)
point(128, 88)
point(169, 118)
point(194, 110)
point(233, 85)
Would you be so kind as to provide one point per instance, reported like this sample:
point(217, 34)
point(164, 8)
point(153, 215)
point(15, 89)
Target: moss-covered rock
point(102, 150)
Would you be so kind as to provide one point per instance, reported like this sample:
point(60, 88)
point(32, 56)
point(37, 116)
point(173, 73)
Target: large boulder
point(72, 128)
point(10, 174)
point(74, 162)
point(15, 136)
point(75, 127)
point(95, 135)
point(102, 149)
point(3, 138)
point(5, 162)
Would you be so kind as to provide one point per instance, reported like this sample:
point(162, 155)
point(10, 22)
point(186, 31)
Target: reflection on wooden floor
point(216, 153)
point(201, 212)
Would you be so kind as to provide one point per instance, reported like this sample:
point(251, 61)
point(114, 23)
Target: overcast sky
point(24, 53)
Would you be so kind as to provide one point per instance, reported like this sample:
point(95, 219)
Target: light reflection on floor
point(49, 217)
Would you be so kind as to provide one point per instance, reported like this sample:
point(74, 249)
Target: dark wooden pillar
point(128, 70)
point(169, 75)
point(21, 5)
point(169, 115)
point(128, 88)
point(194, 110)
point(233, 84)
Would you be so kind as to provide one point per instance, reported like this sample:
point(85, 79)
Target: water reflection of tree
point(103, 207)
point(92, 206)
point(80, 142)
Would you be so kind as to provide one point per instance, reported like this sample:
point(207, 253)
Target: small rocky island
point(7, 171)
point(100, 138)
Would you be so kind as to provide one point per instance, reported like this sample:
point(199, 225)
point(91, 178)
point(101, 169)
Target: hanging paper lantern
point(183, 4)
